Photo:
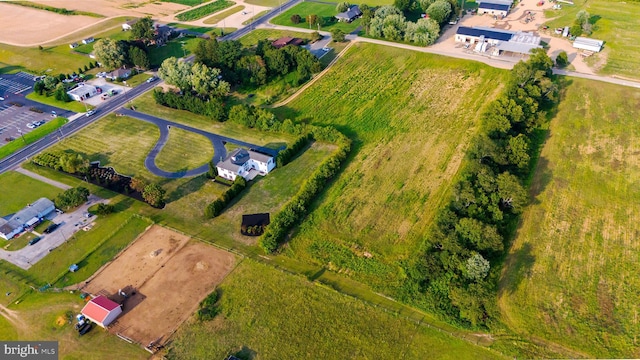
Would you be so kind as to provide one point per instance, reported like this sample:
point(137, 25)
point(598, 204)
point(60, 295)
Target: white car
point(1, 98)
point(90, 112)
point(31, 126)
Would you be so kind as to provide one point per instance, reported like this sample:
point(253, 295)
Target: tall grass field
point(411, 116)
point(571, 275)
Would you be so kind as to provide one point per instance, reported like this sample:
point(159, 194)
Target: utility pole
point(21, 134)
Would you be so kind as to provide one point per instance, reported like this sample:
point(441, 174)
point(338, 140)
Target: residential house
point(119, 73)
point(245, 163)
point(88, 40)
point(287, 40)
point(25, 218)
point(162, 34)
point(82, 92)
point(352, 13)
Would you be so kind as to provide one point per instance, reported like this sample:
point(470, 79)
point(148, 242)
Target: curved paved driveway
point(218, 141)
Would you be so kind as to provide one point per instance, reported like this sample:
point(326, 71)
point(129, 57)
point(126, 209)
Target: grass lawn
point(146, 104)
point(255, 17)
point(173, 48)
point(614, 22)
point(32, 136)
point(117, 141)
point(43, 225)
point(20, 190)
point(202, 29)
point(137, 79)
point(252, 38)
point(403, 123)
point(47, 316)
point(202, 11)
point(571, 273)
point(115, 34)
point(19, 242)
point(268, 3)
point(74, 106)
point(223, 14)
point(186, 2)
point(325, 11)
point(185, 150)
point(58, 58)
point(305, 320)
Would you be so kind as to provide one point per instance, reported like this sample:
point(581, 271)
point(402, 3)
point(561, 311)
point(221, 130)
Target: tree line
point(457, 270)
point(216, 207)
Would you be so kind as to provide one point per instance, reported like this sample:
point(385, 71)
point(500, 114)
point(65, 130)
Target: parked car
point(51, 228)
point(39, 123)
point(85, 328)
point(1, 98)
point(152, 79)
point(31, 126)
point(90, 112)
point(35, 240)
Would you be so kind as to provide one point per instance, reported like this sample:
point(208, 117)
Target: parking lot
point(17, 112)
point(106, 87)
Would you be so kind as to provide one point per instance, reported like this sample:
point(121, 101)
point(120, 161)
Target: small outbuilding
point(88, 40)
point(102, 311)
point(584, 43)
point(129, 25)
point(82, 92)
point(73, 45)
point(74, 268)
point(494, 7)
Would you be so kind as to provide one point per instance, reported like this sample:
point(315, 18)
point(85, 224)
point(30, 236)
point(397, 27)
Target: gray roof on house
point(239, 157)
point(82, 89)
point(351, 13)
point(120, 73)
point(40, 206)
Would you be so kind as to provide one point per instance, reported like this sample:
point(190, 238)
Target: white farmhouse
point(245, 163)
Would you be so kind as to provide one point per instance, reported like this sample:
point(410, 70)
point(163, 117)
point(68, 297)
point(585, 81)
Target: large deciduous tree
point(439, 11)
point(176, 72)
point(138, 57)
point(205, 81)
point(111, 53)
point(423, 32)
point(154, 195)
point(143, 30)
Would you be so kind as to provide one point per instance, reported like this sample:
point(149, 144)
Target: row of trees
point(470, 233)
point(153, 194)
point(212, 108)
point(296, 209)
point(69, 162)
point(195, 78)
point(285, 156)
point(582, 24)
point(254, 67)
point(217, 206)
point(389, 23)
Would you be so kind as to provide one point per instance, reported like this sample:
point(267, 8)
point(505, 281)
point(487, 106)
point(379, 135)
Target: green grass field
point(174, 48)
point(616, 23)
point(267, 3)
point(19, 242)
point(115, 34)
point(111, 141)
point(20, 190)
point(203, 29)
point(410, 136)
point(252, 38)
point(223, 14)
point(202, 11)
point(571, 274)
point(74, 106)
point(186, 2)
point(305, 320)
point(185, 150)
point(255, 17)
point(58, 58)
point(32, 136)
point(325, 11)
point(46, 316)
point(96, 30)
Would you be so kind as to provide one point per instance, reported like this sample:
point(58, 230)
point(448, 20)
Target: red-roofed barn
point(101, 311)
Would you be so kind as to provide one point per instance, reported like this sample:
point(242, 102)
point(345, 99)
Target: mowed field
point(268, 314)
point(571, 275)
point(411, 116)
point(615, 22)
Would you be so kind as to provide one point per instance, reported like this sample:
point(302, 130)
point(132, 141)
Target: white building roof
point(82, 90)
point(239, 157)
point(588, 42)
point(520, 42)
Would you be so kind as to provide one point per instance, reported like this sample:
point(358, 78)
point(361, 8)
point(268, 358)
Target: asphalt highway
point(13, 161)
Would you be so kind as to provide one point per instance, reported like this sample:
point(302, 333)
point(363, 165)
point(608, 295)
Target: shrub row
point(207, 309)
point(213, 108)
point(297, 207)
point(286, 155)
point(217, 206)
point(457, 272)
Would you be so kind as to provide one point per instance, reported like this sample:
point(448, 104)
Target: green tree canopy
point(439, 11)
point(111, 53)
point(143, 30)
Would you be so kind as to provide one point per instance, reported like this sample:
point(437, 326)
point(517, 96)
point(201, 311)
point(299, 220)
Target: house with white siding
point(245, 163)
point(25, 218)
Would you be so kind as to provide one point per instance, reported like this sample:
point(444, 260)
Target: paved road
point(262, 20)
point(70, 223)
point(13, 161)
point(218, 141)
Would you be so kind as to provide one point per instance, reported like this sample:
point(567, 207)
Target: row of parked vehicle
point(51, 228)
point(35, 124)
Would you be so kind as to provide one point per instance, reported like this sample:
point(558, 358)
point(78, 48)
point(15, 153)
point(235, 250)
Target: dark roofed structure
point(491, 6)
point(254, 224)
point(494, 34)
point(287, 40)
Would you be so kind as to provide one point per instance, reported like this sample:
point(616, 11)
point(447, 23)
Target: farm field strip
point(570, 273)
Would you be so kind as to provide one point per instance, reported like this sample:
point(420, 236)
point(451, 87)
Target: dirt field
point(23, 25)
point(165, 278)
point(140, 8)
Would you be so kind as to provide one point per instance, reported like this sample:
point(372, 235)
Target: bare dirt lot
point(139, 8)
point(23, 25)
point(165, 277)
